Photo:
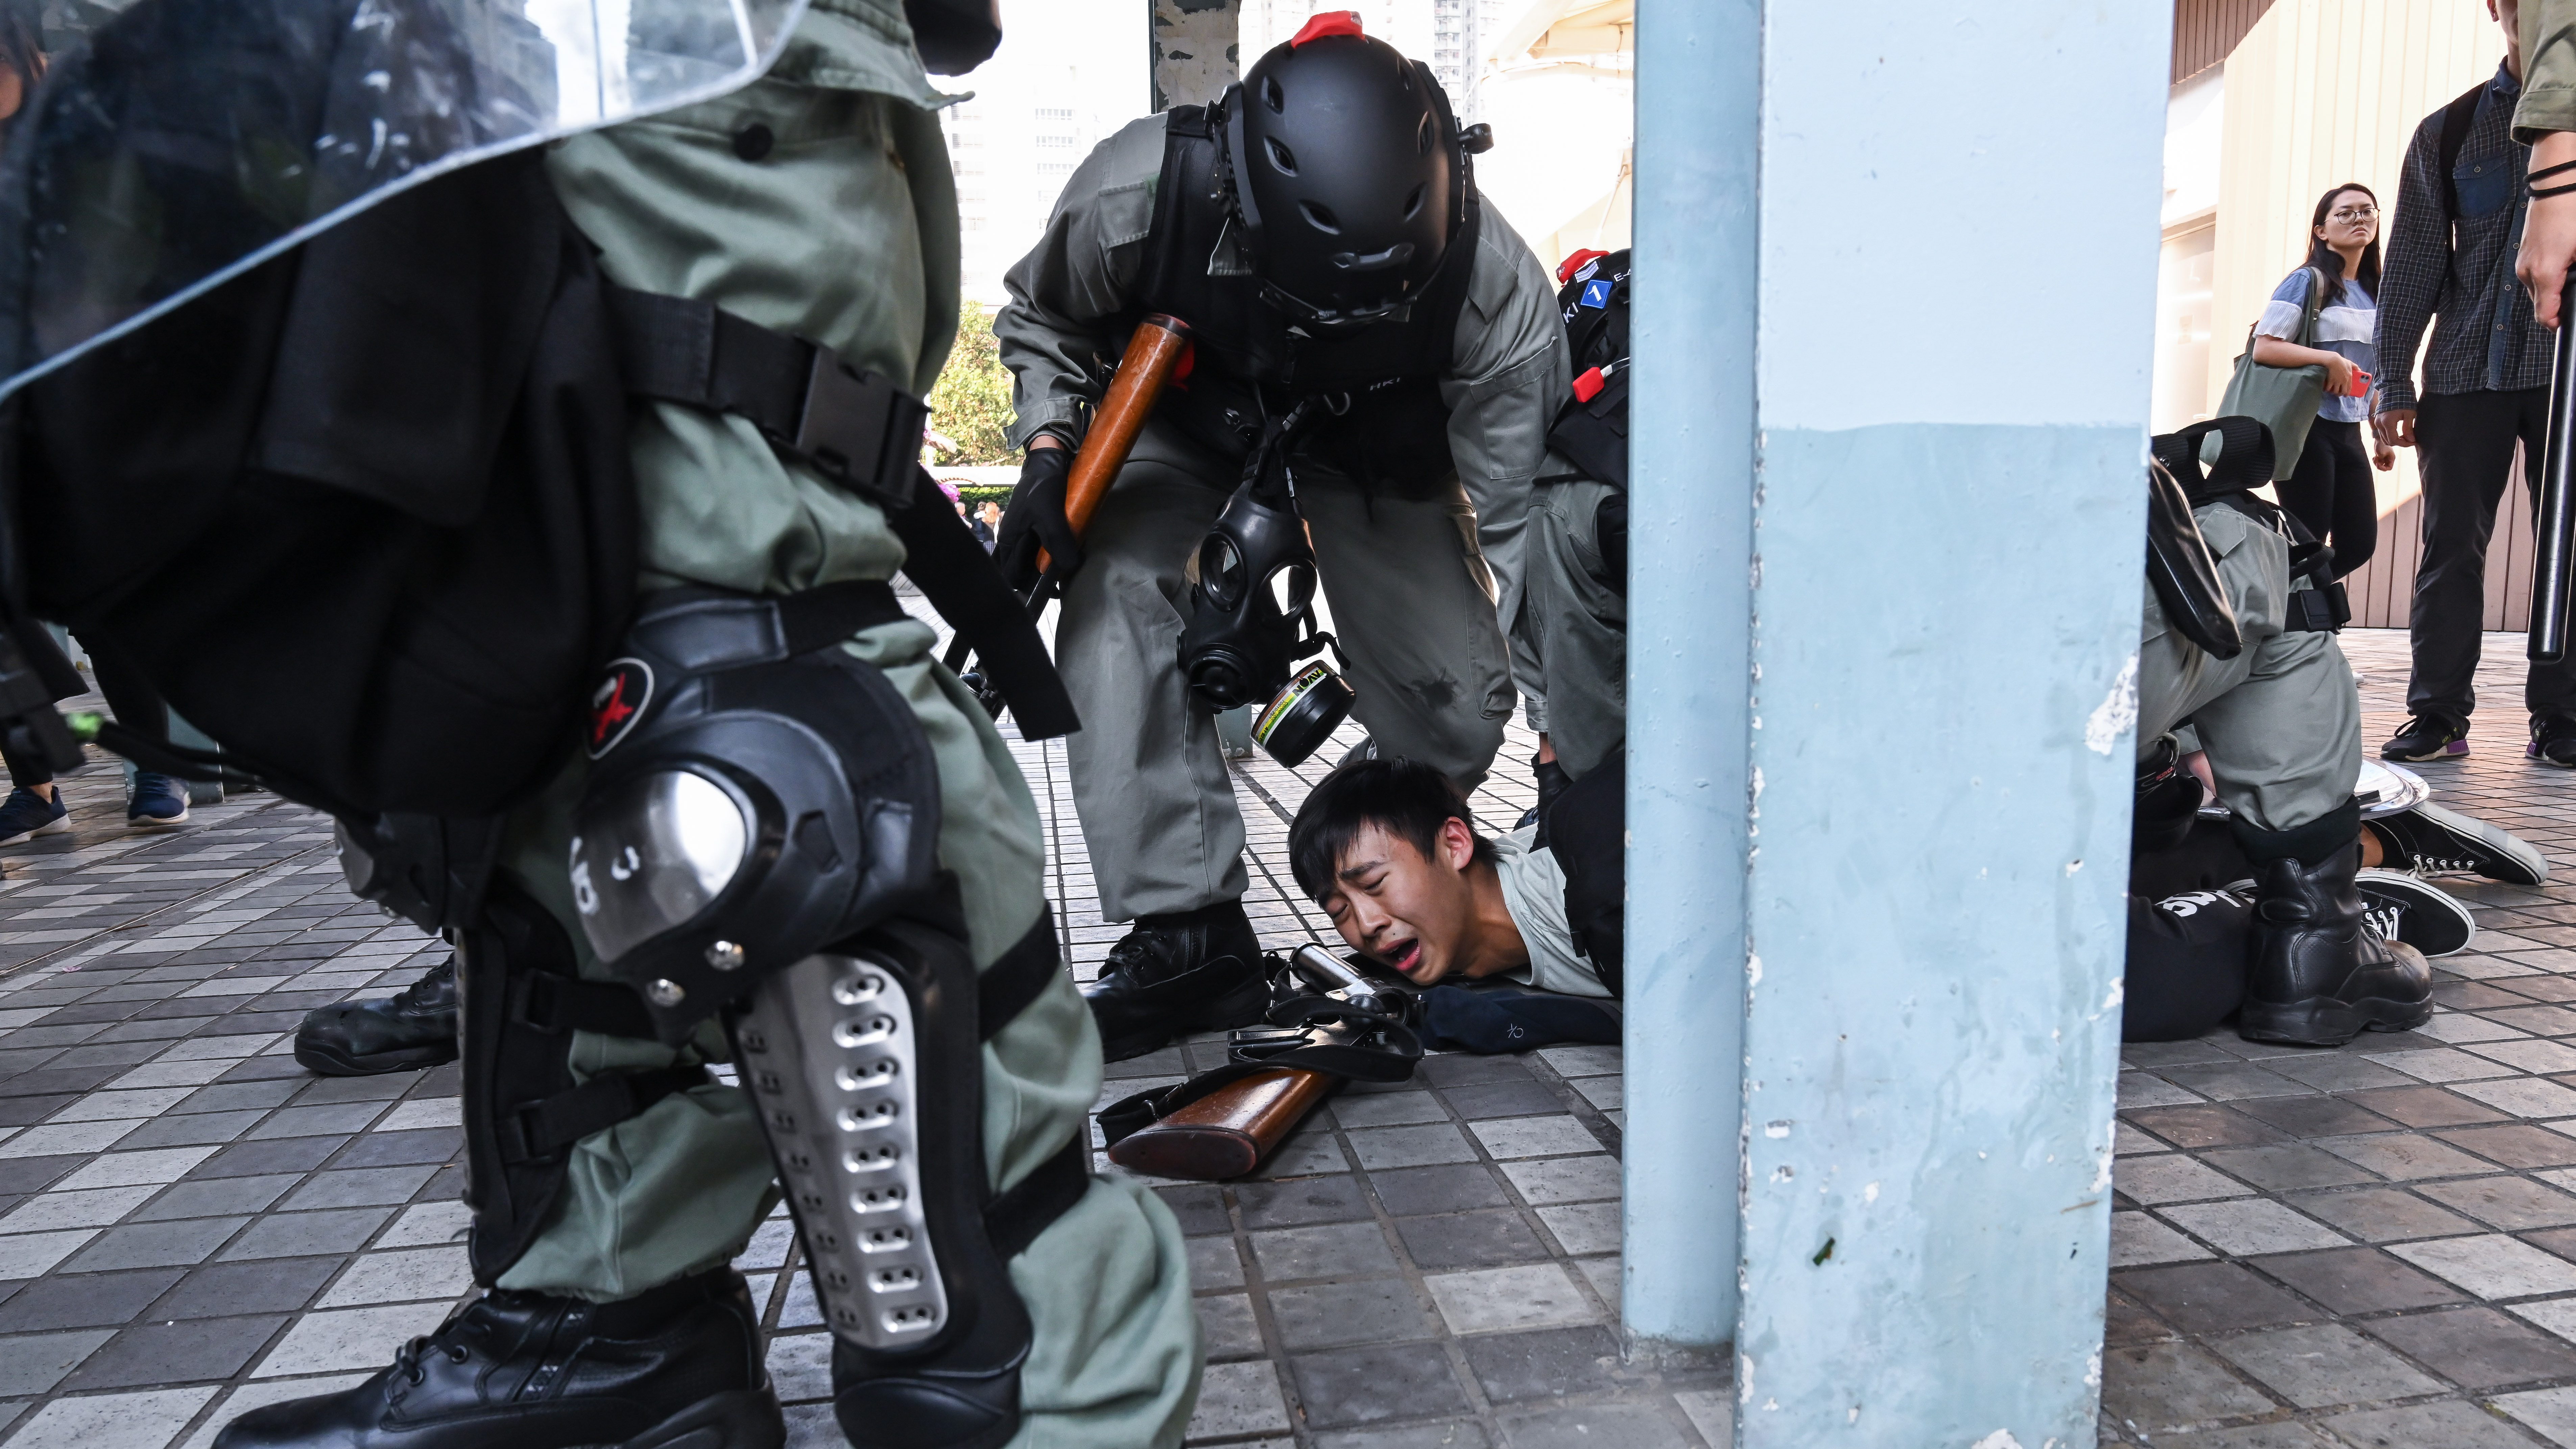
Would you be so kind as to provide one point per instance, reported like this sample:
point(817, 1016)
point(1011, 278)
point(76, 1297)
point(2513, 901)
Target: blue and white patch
point(1596, 293)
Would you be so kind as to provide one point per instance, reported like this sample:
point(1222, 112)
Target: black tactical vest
point(1388, 427)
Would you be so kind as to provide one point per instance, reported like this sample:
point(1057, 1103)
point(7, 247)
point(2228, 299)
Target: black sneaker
point(2402, 908)
point(27, 814)
point(2553, 741)
point(2429, 840)
point(2427, 737)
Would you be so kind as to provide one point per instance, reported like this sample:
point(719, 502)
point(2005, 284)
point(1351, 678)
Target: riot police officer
point(2238, 642)
point(1318, 230)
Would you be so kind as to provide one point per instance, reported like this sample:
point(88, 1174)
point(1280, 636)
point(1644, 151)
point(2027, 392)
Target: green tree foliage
point(971, 405)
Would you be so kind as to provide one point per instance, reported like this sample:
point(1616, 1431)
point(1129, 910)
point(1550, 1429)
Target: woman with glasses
point(2331, 491)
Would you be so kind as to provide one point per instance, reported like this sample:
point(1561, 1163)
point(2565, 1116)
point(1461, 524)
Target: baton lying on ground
point(1228, 1131)
point(1154, 353)
point(2554, 551)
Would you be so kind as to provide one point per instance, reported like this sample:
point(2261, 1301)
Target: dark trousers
point(2189, 936)
point(2332, 493)
point(130, 698)
point(2464, 444)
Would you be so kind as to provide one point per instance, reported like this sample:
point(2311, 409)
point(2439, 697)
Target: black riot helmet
point(954, 36)
point(1349, 175)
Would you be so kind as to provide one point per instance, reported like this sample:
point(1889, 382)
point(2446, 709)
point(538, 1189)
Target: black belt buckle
point(860, 429)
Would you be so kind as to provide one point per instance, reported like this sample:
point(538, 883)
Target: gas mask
point(1252, 618)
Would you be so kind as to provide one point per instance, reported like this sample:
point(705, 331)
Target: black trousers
point(130, 697)
point(2189, 937)
point(2332, 493)
point(2464, 443)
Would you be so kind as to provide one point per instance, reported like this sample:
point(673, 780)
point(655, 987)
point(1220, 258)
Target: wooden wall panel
point(2381, 589)
point(2205, 30)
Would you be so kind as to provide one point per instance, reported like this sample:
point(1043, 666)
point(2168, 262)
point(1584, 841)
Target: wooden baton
point(1227, 1133)
point(1153, 353)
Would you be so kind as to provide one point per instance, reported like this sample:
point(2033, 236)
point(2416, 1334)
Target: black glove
point(1036, 520)
point(1610, 535)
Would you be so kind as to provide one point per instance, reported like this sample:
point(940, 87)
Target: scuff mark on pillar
point(1194, 50)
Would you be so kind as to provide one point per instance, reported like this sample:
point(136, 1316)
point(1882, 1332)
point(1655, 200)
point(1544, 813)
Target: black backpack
point(365, 514)
point(362, 514)
point(1591, 429)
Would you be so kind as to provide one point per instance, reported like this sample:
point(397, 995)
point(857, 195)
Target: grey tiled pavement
point(190, 1226)
point(2375, 1246)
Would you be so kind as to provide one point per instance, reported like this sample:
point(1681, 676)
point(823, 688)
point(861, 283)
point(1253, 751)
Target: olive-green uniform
point(1574, 623)
point(2548, 29)
point(819, 201)
point(1414, 575)
point(2282, 720)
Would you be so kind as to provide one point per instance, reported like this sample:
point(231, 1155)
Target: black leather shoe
point(412, 1029)
point(675, 1368)
point(1171, 975)
point(2321, 975)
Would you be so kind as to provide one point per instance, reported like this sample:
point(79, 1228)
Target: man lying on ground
point(1390, 850)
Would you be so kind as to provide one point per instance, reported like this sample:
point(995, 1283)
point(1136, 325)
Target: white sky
point(1088, 57)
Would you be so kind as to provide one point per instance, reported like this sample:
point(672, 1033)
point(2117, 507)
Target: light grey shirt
point(1534, 892)
point(1507, 368)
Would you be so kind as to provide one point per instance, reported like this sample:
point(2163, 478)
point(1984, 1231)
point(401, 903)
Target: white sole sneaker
point(2401, 907)
point(2445, 842)
point(55, 826)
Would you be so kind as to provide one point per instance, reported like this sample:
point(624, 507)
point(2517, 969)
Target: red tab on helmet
point(1327, 22)
point(1566, 269)
point(1589, 385)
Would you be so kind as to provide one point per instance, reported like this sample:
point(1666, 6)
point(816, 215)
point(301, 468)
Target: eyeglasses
point(2354, 213)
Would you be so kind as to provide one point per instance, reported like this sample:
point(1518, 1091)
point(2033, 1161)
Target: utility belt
point(1391, 435)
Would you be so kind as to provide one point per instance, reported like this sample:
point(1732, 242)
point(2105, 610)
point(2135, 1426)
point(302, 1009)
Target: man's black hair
point(1407, 799)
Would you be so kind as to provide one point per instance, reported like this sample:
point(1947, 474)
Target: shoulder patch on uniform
point(1596, 293)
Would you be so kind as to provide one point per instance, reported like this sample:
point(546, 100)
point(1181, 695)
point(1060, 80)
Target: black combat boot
point(1171, 975)
point(676, 1368)
point(2321, 975)
point(412, 1029)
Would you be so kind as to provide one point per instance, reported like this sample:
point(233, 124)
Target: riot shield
point(174, 144)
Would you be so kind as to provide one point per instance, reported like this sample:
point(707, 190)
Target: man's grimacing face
point(1399, 908)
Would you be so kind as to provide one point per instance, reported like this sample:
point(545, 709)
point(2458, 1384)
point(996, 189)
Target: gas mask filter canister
point(1251, 620)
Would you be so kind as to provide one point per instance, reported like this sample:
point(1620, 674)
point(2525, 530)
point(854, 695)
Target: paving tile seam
point(139, 920)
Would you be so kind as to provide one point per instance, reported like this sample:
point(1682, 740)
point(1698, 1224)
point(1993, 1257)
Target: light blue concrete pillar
point(1691, 505)
point(1958, 233)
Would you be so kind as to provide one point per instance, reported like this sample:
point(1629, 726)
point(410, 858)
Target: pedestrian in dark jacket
point(2485, 387)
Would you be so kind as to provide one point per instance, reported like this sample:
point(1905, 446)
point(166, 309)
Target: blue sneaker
point(159, 802)
point(27, 814)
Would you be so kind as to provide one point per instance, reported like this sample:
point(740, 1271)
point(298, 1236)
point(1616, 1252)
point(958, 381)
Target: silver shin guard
point(866, 1065)
point(832, 1054)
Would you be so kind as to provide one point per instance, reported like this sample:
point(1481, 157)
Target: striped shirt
point(2344, 327)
